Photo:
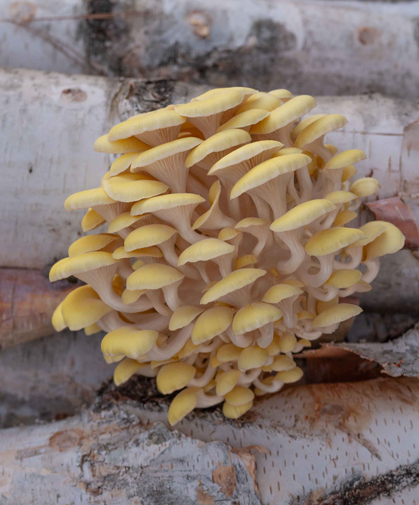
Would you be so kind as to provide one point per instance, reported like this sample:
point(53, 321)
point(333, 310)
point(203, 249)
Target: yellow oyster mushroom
point(174, 376)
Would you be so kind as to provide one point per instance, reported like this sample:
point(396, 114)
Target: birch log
point(310, 445)
point(323, 47)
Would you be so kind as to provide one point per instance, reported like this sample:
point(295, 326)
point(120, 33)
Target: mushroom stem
point(172, 345)
point(269, 388)
point(325, 270)
point(204, 378)
point(355, 255)
point(156, 298)
point(297, 253)
point(373, 266)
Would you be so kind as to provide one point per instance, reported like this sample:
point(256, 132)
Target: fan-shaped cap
point(87, 198)
point(254, 316)
point(244, 120)
point(302, 215)
point(261, 101)
point(304, 123)
point(366, 186)
point(332, 240)
point(83, 307)
point(228, 352)
point(226, 381)
point(182, 405)
point(153, 276)
point(371, 230)
point(128, 341)
point(211, 323)
point(81, 263)
point(336, 314)
point(91, 243)
point(279, 292)
point(320, 128)
point(282, 364)
point(148, 235)
point(245, 261)
point(122, 163)
point(125, 370)
point(389, 242)
point(210, 105)
point(91, 220)
point(344, 278)
point(174, 376)
point(129, 297)
point(287, 342)
point(281, 93)
point(151, 252)
point(239, 396)
point(290, 376)
point(340, 197)
point(228, 234)
point(183, 316)
point(133, 187)
point(232, 282)
point(166, 202)
point(205, 250)
point(128, 145)
point(235, 412)
point(348, 172)
point(285, 114)
point(122, 221)
point(345, 217)
point(252, 357)
point(267, 171)
point(57, 319)
point(345, 158)
point(216, 91)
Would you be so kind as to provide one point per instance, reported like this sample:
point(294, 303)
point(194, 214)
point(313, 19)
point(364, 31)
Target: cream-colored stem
point(248, 377)
point(373, 266)
point(355, 254)
point(324, 272)
point(297, 252)
point(156, 298)
point(172, 345)
point(204, 378)
point(324, 293)
point(305, 184)
point(269, 388)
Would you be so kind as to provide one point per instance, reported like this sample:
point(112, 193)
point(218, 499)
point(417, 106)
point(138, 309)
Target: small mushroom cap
point(129, 297)
point(211, 323)
point(216, 143)
point(254, 316)
point(128, 341)
point(340, 197)
point(148, 235)
point(348, 172)
point(279, 292)
point(344, 278)
point(226, 381)
point(208, 106)
point(252, 357)
point(153, 276)
point(346, 158)
point(389, 242)
point(290, 376)
point(304, 123)
point(282, 364)
point(366, 186)
point(294, 282)
point(182, 405)
point(235, 412)
point(245, 261)
point(287, 342)
point(183, 316)
point(248, 222)
point(287, 150)
point(232, 282)
point(261, 101)
point(244, 120)
point(122, 221)
point(125, 370)
point(228, 234)
point(122, 163)
point(285, 114)
point(133, 187)
point(91, 330)
point(228, 352)
point(267, 171)
point(245, 153)
point(336, 314)
point(332, 240)
point(81, 263)
point(216, 91)
point(205, 250)
point(302, 215)
point(239, 396)
point(83, 307)
point(371, 230)
point(165, 202)
point(151, 252)
point(174, 376)
point(320, 128)
point(128, 145)
point(91, 220)
point(57, 319)
point(87, 198)
point(163, 151)
point(281, 93)
point(345, 217)
point(163, 118)
point(90, 243)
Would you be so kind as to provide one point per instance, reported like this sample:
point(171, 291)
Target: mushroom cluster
point(227, 249)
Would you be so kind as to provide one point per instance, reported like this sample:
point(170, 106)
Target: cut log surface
point(331, 47)
point(310, 445)
point(70, 112)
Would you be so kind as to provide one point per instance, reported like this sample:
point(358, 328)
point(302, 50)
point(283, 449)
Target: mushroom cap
point(254, 316)
point(211, 323)
point(133, 187)
point(252, 357)
point(205, 250)
point(83, 307)
point(122, 163)
point(389, 242)
point(57, 319)
point(174, 376)
point(290, 376)
point(261, 101)
point(81, 263)
point(244, 261)
point(228, 234)
point(371, 230)
point(279, 292)
point(235, 412)
point(183, 316)
point(245, 153)
point(208, 106)
point(162, 118)
point(216, 143)
point(122, 221)
point(319, 128)
point(366, 186)
point(268, 170)
point(165, 202)
point(336, 314)
point(332, 240)
point(344, 278)
point(344, 217)
point(249, 222)
point(182, 405)
point(233, 281)
point(281, 93)
point(129, 297)
point(128, 341)
point(287, 342)
point(153, 276)
point(345, 159)
point(285, 114)
point(348, 172)
point(148, 236)
point(163, 151)
point(340, 197)
point(216, 91)
point(127, 145)
point(288, 150)
point(91, 220)
point(304, 123)
point(226, 381)
point(151, 252)
point(302, 215)
point(125, 370)
point(239, 395)
point(244, 119)
point(228, 352)
point(91, 243)
point(282, 363)
point(87, 198)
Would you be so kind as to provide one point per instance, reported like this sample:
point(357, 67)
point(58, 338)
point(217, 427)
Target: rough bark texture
point(325, 47)
point(341, 444)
